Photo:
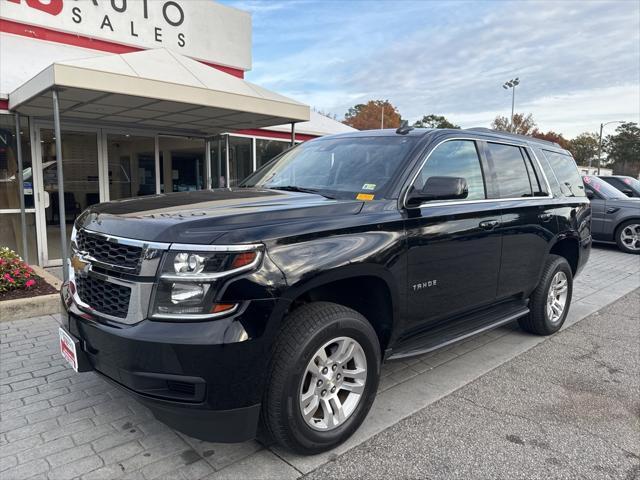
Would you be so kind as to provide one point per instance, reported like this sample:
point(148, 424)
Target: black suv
point(275, 303)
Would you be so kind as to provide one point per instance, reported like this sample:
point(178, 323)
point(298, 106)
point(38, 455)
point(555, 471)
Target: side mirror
point(439, 188)
point(628, 192)
point(590, 195)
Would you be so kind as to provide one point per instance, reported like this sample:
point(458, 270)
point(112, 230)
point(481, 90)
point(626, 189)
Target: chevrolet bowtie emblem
point(78, 264)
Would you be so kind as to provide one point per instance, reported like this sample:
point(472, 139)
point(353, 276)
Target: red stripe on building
point(76, 40)
point(271, 134)
point(4, 104)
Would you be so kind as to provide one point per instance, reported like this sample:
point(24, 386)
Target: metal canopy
point(156, 89)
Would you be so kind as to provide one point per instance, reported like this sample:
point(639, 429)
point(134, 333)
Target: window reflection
point(132, 171)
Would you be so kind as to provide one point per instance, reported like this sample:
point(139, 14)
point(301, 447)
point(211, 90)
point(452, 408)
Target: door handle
point(489, 224)
point(545, 217)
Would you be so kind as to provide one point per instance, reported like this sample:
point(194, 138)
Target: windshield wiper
point(293, 188)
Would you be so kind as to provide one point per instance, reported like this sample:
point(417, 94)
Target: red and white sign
point(201, 29)
point(68, 349)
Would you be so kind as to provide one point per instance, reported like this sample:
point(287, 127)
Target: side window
point(511, 170)
point(536, 181)
point(566, 171)
point(455, 158)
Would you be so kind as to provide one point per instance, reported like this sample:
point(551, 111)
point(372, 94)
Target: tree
point(584, 148)
point(552, 136)
point(623, 149)
point(368, 116)
point(434, 121)
point(523, 125)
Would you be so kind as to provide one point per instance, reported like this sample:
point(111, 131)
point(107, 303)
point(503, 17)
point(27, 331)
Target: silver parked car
point(615, 218)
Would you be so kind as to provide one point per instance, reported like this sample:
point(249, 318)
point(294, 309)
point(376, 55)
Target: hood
point(205, 215)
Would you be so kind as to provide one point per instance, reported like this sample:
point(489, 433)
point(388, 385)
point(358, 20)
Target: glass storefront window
point(11, 235)
point(218, 163)
point(132, 170)
point(240, 159)
point(268, 149)
point(9, 188)
point(182, 164)
point(81, 182)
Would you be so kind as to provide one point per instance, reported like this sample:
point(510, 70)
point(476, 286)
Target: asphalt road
point(568, 408)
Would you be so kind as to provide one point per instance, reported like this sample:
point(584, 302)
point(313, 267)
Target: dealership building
point(105, 100)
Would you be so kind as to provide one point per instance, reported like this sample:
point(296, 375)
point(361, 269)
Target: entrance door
point(80, 163)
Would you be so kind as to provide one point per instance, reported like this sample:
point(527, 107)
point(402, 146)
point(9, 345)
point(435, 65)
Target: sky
point(578, 61)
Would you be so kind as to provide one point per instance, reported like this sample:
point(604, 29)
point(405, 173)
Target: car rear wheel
point(628, 237)
point(550, 301)
point(323, 378)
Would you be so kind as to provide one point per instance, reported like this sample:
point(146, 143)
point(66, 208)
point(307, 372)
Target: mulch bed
point(40, 288)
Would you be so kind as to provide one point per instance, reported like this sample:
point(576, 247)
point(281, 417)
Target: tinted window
point(566, 172)
point(511, 170)
point(456, 158)
point(536, 181)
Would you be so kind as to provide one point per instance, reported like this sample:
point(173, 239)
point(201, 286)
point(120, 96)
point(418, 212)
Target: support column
point(293, 134)
point(227, 182)
point(23, 214)
point(61, 206)
point(207, 165)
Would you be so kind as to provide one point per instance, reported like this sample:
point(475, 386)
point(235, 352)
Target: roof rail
point(512, 135)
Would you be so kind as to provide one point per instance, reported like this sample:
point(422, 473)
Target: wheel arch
point(368, 289)
point(616, 229)
point(568, 247)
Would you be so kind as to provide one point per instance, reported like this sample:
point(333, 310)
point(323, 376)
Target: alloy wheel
point(630, 236)
point(557, 296)
point(333, 383)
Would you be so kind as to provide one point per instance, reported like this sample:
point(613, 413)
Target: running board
point(459, 329)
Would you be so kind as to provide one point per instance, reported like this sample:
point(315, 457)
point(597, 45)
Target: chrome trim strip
point(458, 202)
point(194, 316)
point(211, 277)
point(194, 247)
point(130, 241)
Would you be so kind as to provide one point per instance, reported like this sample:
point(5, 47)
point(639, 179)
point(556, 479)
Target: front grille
point(104, 297)
point(121, 257)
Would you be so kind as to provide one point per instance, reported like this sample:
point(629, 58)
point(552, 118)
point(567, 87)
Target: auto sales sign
point(201, 29)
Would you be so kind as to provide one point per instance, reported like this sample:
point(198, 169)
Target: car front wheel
point(628, 237)
point(323, 377)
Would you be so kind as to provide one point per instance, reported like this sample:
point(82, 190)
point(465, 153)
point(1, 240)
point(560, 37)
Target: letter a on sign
point(52, 7)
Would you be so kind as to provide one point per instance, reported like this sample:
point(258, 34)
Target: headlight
point(190, 275)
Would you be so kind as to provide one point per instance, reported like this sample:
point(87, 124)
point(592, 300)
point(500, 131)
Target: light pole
point(602, 125)
point(512, 84)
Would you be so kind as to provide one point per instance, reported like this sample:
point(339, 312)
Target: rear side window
point(566, 172)
point(511, 170)
point(455, 158)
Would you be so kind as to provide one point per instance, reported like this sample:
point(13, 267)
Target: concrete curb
point(33, 306)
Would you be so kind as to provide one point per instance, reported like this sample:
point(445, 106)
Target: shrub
point(14, 273)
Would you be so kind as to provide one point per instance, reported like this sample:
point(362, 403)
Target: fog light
point(187, 293)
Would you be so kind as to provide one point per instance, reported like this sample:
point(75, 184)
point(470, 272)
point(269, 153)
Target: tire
point(305, 331)
point(624, 230)
point(540, 320)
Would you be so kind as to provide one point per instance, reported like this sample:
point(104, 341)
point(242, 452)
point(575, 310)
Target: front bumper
point(203, 378)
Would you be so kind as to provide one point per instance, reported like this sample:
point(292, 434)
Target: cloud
point(579, 62)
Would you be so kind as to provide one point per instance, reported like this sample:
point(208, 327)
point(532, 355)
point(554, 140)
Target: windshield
point(344, 167)
point(602, 187)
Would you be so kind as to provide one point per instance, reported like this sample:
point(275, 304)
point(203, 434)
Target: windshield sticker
point(586, 179)
point(364, 196)
point(369, 186)
point(627, 181)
